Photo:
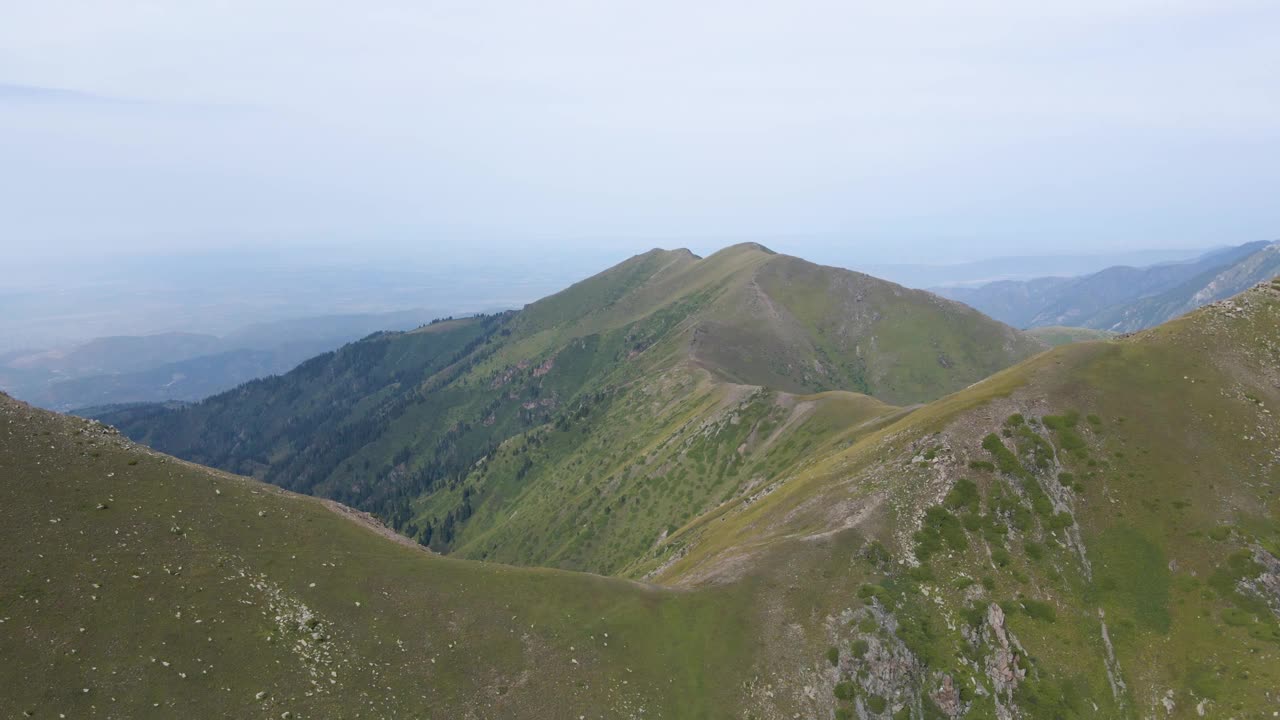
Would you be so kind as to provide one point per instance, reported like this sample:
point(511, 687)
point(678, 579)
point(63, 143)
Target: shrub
point(867, 592)
point(964, 494)
point(859, 648)
point(1064, 427)
point(845, 690)
point(1041, 504)
point(1039, 610)
point(1034, 550)
point(876, 704)
point(982, 465)
point(1068, 419)
point(1006, 461)
point(975, 615)
point(876, 553)
point(1061, 521)
point(940, 527)
point(833, 655)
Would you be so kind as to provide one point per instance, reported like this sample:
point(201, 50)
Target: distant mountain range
point(1017, 267)
point(181, 366)
point(1124, 298)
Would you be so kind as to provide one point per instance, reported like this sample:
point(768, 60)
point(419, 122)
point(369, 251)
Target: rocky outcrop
point(1002, 664)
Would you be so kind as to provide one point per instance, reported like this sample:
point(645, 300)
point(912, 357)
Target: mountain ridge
point(1123, 298)
point(436, 432)
point(1092, 531)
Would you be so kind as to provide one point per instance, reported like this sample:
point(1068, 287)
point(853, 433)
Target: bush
point(1041, 504)
point(1068, 419)
point(975, 615)
point(859, 648)
point(1006, 461)
point(1038, 610)
point(876, 704)
point(1061, 521)
point(1034, 550)
point(845, 690)
point(867, 592)
point(940, 527)
point(964, 494)
point(833, 655)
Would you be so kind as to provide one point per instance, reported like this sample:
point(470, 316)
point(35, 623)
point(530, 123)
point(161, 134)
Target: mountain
point(137, 585)
point(1093, 531)
point(447, 432)
point(1122, 298)
point(181, 366)
point(1027, 267)
point(1210, 286)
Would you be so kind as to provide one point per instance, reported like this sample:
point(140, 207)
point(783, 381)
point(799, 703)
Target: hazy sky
point(884, 131)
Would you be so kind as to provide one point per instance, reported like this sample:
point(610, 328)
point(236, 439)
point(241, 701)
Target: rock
point(261, 695)
point(1002, 663)
point(947, 697)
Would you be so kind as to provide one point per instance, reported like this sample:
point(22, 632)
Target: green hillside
point(1092, 532)
point(658, 389)
point(1055, 335)
point(135, 585)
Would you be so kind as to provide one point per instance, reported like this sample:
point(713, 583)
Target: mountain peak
point(745, 247)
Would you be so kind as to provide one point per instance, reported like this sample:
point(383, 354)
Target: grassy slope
point(1055, 335)
point(397, 423)
point(191, 591)
point(603, 488)
point(1136, 499)
point(1123, 495)
point(801, 327)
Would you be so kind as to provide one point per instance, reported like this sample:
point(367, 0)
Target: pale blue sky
point(888, 131)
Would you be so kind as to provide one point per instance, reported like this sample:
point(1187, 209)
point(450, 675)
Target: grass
point(220, 579)
point(787, 525)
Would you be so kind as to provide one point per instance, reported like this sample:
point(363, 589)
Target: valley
point(739, 486)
